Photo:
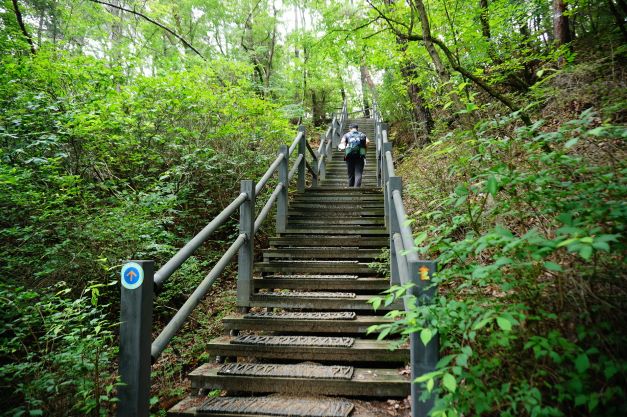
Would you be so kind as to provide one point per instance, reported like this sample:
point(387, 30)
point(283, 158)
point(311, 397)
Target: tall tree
point(561, 27)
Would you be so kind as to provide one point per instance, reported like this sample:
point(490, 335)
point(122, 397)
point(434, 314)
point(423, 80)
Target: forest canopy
point(508, 123)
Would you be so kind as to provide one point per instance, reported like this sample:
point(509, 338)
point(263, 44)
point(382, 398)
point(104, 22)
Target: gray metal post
point(336, 133)
point(394, 183)
point(246, 256)
point(281, 203)
point(384, 176)
point(302, 150)
point(322, 169)
point(135, 338)
point(423, 358)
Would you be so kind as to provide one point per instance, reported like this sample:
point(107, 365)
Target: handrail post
point(246, 255)
point(281, 204)
point(378, 141)
point(336, 133)
point(135, 338)
point(322, 165)
point(384, 179)
point(302, 150)
point(423, 358)
point(394, 183)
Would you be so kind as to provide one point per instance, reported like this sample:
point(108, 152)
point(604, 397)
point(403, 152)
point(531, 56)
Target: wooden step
point(341, 190)
point(347, 252)
point(359, 325)
point(357, 303)
point(298, 240)
point(378, 382)
point(362, 350)
point(339, 220)
point(316, 214)
point(266, 406)
point(318, 267)
point(335, 231)
point(358, 284)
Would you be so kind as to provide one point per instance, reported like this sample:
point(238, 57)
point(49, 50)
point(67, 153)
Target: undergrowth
point(527, 227)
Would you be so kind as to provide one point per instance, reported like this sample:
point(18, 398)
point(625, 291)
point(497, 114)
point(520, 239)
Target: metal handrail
point(273, 167)
point(186, 309)
point(406, 234)
point(267, 207)
point(295, 167)
point(186, 251)
point(405, 265)
point(295, 142)
point(136, 304)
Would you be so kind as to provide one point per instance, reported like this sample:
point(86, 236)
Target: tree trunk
point(620, 21)
point(421, 114)
point(366, 84)
point(20, 22)
point(485, 20)
point(560, 23)
point(441, 70)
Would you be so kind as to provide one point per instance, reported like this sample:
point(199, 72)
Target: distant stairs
point(302, 350)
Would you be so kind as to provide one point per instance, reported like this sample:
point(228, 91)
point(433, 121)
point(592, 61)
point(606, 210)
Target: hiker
point(354, 144)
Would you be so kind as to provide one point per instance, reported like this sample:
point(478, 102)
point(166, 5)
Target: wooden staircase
point(305, 334)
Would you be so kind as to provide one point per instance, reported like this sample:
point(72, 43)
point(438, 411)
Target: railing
point(139, 281)
point(405, 266)
point(330, 140)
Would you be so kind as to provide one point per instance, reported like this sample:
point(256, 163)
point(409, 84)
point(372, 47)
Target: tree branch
point(154, 22)
point(20, 22)
point(455, 65)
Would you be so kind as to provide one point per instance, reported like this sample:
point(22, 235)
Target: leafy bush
point(55, 353)
point(529, 234)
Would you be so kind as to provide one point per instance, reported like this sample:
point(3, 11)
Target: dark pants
point(355, 167)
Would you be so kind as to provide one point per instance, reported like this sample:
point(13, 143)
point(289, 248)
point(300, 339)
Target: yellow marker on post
point(424, 273)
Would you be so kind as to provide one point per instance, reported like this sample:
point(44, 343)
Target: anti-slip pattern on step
point(282, 276)
point(296, 341)
point(318, 294)
point(279, 406)
point(288, 371)
point(313, 261)
point(294, 315)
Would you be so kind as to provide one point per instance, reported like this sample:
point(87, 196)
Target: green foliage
point(531, 252)
point(55, 352)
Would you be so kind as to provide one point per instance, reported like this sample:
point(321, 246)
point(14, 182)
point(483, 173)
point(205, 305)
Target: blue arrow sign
point(132, 275)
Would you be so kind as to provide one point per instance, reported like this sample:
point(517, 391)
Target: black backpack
point(355, 144)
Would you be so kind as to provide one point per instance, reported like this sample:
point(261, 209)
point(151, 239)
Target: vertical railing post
point(377, 138)
point(135, 338)
point(302, 150)
point(384, 176)
point(322, 168)
point(423, 358)
point(281, 204)
point(246, 255)
point(394, 183)
point(336, 133)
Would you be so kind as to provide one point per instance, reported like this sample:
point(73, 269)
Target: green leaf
point(420, 238)
point(427, 376)
point(552, 266)
point(449, 382)
point(585, 252)
point(481, 323)
point(425, 336)
point(504, 324)
point(430, 384)
point(492, 185)
point(571, 143)
point(582, 363)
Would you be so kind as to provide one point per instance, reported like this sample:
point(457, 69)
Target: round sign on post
point(132, 275)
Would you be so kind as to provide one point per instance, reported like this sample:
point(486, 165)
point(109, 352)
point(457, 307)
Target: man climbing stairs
point(302, 349)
